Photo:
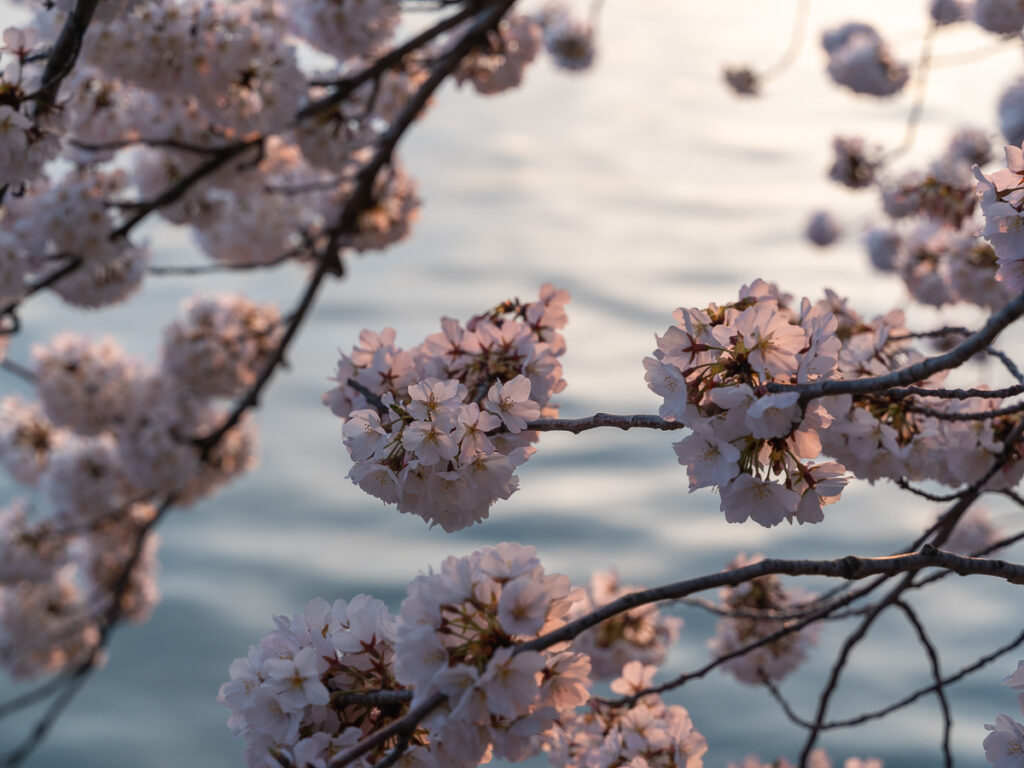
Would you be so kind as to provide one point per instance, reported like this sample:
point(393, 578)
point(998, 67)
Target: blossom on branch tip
point(439, 430)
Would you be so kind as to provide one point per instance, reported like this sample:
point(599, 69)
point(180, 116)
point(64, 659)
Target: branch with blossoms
point(500, 658)
point(112, 437)
point(783, 403)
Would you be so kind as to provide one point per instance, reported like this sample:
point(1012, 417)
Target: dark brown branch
point(936, 670)
point(19, 370)
point(206, 269)
point(965, 416)
point(65, 51)
point(345, 86)
point(110, 146)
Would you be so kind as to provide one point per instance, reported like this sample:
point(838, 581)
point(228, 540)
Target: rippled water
point(640, 187)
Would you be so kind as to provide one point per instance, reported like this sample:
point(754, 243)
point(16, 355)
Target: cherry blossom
point(445, 434)
point(456, 632)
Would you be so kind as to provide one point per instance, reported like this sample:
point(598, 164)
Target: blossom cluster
point(711, 369)
point(930, 239)
point(752, 612)
point(860, 60)
point(67, 224)
point(456, 636)
point(320, 682)
point(160, 88)
point(649, 734)
point(106, 437)
point(297, 692)
point(29, 137)
point(758, 447)
point(439, 429)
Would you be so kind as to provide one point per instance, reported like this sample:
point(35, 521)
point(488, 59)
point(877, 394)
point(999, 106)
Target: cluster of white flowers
point(759, 609)
point(250, 79)
point(333, 674)
point(1004, 17)
point(931, 241)
point(1011, 112)
point(859, 59)
point(297, 691)
point(823, 229)
point(649, 734)
point(756, 446)
point(221, 345)
point(950, 11)
point(346, 28)
point(711, 369)
point(855, 163)
point(69, 221)
point(1004, 746)
point(442, 430)
point(456, 633)
point(640, 634)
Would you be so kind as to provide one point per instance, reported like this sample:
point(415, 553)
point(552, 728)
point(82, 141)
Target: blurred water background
point(641, 186)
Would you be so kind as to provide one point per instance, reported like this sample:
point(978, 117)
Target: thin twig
point(940, 693)
point(912, 697)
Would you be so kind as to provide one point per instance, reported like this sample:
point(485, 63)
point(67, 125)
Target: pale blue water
point(640, 187)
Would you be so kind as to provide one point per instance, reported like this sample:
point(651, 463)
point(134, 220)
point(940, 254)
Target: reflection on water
point(640, 187)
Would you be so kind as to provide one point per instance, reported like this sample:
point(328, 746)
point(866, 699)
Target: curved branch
point(850, 567)
point(940, 692)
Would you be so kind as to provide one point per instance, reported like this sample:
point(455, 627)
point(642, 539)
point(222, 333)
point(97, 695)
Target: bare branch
point(940, 693)
point(638, 421)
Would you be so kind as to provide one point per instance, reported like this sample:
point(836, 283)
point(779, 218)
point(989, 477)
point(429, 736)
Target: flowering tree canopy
point(269, 132)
